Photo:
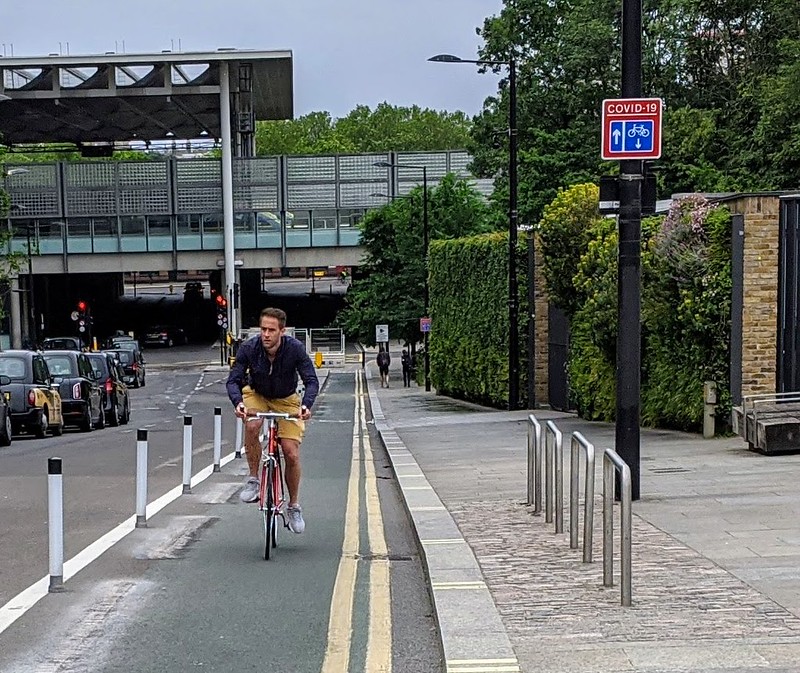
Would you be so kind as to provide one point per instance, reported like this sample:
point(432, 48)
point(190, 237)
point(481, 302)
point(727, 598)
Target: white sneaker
point(294, 516)
point(250, 491)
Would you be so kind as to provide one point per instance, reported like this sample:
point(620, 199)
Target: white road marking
point(26, 599)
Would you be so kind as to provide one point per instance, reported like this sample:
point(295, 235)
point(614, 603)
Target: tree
point(727, 70)
point(387, 128)
point(10, 262)
point(392, 289)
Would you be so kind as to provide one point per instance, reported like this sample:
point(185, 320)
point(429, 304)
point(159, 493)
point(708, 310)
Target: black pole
point(629, 261)
point(513, 317)
point(31, 302)
point(531, 321)
point(425, 242)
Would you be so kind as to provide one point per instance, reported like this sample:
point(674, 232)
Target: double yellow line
point(340, 622)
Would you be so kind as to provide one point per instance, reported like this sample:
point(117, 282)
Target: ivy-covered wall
point(469, 312)
point(686, 299)
point(686, 302)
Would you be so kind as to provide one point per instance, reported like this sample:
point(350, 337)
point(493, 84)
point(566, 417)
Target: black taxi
point(31, 393)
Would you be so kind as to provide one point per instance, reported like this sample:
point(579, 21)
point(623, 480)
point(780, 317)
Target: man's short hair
point(276, 313)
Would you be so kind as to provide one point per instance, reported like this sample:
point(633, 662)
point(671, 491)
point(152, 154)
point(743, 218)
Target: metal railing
point(535, 465)
point(579, 442)
point(613, 464)
point(554, 472)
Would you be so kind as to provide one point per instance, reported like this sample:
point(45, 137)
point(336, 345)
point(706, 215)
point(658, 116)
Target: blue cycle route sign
point(632, 128)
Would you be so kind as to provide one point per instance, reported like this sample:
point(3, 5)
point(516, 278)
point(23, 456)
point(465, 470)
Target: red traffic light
point(221, 301)
point(81, 305)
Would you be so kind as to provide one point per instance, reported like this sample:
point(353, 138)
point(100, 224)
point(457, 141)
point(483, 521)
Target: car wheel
point(126, 413)
point(113, 415)
point(86, 424)
point(40, 431)
point(142, 380)
point(136, 381)
point(5, 431)
point(101, 419)
point(57, 430)
point(170, 343)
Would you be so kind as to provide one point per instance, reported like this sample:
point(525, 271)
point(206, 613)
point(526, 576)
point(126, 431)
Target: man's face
point(271, 332)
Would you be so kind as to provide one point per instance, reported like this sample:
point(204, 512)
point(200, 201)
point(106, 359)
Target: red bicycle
point(272, 492)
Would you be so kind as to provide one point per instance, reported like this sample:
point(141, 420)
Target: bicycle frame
point(272, 492)
point(270, 454)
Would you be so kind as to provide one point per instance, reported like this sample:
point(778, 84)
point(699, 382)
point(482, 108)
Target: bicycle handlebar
point(261, 415)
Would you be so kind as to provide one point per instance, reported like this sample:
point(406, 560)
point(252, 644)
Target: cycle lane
point(193, 590)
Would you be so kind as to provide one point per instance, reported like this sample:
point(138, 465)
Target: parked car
point(110, 377)
point(62, 344)
point(132, 364)
point(165, 335)
point(31, 393)
point(81, 400)
point(5, 413)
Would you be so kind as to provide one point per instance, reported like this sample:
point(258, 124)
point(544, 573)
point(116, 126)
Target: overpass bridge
point(82, 225)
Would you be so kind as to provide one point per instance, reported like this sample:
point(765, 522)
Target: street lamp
point(388, 164)
point(513, 310)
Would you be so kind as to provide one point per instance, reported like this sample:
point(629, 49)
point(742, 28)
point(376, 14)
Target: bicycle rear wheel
point(269, 510)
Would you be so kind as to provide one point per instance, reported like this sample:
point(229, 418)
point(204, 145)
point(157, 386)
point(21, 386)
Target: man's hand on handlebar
point(241, 410)
point(305, 413)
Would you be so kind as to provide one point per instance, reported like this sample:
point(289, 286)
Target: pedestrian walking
point(405, 360)
point(384, 360)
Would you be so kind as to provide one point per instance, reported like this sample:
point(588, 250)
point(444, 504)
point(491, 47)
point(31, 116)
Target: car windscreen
point(125, 357)
point(13, 368)
point(125, 346)
point(59, 365)
point(99, 365)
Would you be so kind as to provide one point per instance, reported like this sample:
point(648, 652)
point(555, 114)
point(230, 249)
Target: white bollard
point(217, 438)
point(141, 478)
point(187, 454)
point(55, 523)
point(239, 424)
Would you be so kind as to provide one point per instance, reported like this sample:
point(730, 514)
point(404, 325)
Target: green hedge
point(686, 301)
point(469, 312)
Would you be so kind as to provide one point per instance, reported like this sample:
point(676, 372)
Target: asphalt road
point(192, 590)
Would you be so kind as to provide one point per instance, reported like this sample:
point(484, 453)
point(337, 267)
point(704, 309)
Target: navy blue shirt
point(274, 379)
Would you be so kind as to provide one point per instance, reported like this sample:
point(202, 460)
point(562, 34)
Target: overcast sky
point(346, 52)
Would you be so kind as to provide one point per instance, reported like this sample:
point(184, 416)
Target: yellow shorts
point(284, 405)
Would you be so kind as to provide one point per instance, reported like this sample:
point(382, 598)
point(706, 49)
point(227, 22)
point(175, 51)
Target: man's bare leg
point(252, 446)
point(291, 457)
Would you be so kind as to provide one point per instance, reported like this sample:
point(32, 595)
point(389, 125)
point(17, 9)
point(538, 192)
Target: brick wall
point(760, 306)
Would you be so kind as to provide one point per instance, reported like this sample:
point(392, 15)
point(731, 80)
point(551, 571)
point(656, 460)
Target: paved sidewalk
point(716, 548)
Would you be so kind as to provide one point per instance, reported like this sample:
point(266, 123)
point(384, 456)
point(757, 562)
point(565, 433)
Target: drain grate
point(669, 470)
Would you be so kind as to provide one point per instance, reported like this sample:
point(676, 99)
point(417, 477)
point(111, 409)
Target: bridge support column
point(227, 192)
point(16, 314)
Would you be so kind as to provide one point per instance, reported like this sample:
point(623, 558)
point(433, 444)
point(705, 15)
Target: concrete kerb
point(471, 630)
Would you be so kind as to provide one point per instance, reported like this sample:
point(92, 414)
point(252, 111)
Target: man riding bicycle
point(264, 378)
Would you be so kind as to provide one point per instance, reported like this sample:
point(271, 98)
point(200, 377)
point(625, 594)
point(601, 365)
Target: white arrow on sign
point(638, 144)
point(617, 133)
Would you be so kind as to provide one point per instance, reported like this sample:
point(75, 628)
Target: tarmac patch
point(172, 541)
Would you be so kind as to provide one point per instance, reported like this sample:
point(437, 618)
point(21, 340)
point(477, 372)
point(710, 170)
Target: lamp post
point(513, 216)
point(425, 236)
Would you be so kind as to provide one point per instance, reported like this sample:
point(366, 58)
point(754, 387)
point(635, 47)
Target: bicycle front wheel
point(269, 511)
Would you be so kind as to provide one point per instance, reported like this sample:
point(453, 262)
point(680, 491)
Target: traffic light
point(83, 318)
point(222, 311)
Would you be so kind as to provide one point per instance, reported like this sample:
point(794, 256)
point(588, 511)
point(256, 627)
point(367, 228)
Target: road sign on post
point(632, 128)
point(381, 334)
point(424, 324)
